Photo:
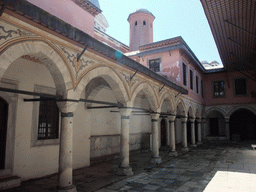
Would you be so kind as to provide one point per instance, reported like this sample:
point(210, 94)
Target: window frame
point(241, 95)
point(35, 119)
point(191, 80)
point(219, 96)
point(197, 84)
point(184, 76)
point(160, 64)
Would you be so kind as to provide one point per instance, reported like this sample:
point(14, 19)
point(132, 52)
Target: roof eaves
point(42, 17)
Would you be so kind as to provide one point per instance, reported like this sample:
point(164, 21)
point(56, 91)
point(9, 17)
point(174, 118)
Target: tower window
point(144, 22)
point(136, 23)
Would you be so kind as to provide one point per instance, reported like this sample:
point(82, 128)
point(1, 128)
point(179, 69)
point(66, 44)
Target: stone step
point(9, 182)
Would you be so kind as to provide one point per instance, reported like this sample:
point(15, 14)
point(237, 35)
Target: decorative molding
point(31, 58)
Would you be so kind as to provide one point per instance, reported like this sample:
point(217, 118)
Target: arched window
point(135, 23)
point(144, 22)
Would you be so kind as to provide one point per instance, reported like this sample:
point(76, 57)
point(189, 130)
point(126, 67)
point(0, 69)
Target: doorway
point(3, 131)
point(214, 126)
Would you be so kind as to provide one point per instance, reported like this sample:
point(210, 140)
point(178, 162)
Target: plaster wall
point(69, 12)
point(229, 86)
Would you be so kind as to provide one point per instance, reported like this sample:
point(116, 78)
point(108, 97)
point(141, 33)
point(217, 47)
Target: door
point(3, 131)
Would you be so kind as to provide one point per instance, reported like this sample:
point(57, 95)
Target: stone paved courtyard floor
point(213, 166)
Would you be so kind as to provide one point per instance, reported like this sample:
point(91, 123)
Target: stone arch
point(110, 77)
point(181, 108)
point(150, 94)
point(191, 111)
point(169, 101)
point(198, 113)
point(241, 107)
point(208, 111)
point(47, 53)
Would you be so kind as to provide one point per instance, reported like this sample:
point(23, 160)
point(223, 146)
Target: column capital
point(154, 116)
point(227, 119)
point(199, 120)
point(184, 119)
point(67, 106)
point(192, 119)
point(126, 112)
point(172, 117)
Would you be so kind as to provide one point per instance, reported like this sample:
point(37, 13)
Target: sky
point(185, 18)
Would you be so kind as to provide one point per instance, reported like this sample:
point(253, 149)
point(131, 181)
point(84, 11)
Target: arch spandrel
point(149, 93)
point(110, 76)
point(47, 53)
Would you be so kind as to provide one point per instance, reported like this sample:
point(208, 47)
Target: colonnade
point(65, 182)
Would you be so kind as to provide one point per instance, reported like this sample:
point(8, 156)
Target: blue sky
point(184, 18)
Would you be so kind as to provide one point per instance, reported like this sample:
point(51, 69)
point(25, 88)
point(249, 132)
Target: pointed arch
point(149, 93)
point(167, 97)
point(108, 75)
point(48, 54)
point(181, 108)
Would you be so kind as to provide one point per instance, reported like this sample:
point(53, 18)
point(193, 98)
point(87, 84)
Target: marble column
point(184, 128)
point(124, 168)
point(65, 181)
point(193, 134)
point(227, 128)
point(199, 132)
point(172, 151)
point(155, 138)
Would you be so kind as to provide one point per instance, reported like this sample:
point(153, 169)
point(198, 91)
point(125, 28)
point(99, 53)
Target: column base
point(71, 188)
point(185, 149)
point(173, 153)
point(156, 160)
point(193, 145)
point(199, 143)
point(124, 171)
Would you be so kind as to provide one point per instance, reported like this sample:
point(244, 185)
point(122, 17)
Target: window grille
point(48, 125)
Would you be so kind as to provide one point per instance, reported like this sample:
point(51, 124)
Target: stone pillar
point(155, 138)
point(199, 132)
point(184, 127)
point(227, 128)
point(173, 151)
point(168, 132)
point(193, 134)
point(65, 182)
point(124, 168)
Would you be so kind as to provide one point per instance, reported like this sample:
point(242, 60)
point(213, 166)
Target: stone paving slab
point(196, 170)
